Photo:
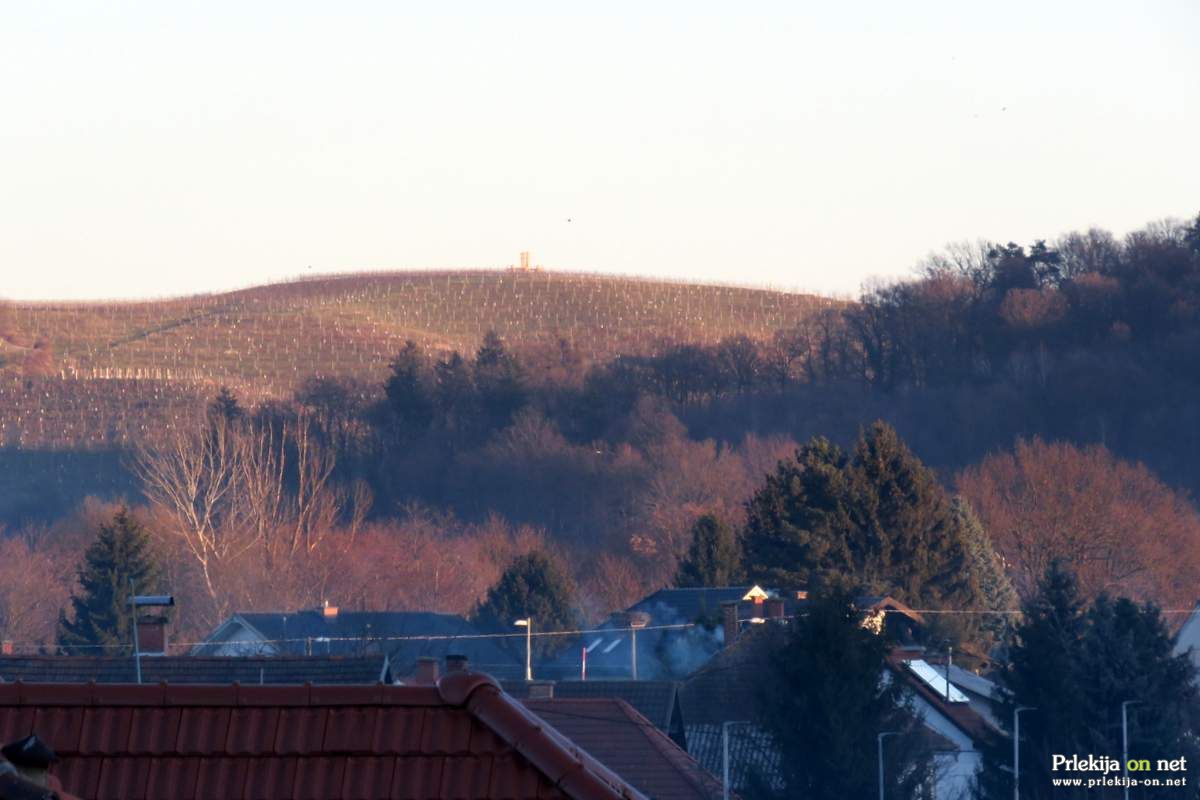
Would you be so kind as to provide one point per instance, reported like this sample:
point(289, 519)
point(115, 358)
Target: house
point(657, 701)
point(1187, 639)
point(665, 636)
point(720, 699)
point(461, 737)
point(674, 632)
point(629, 744)
point(198, 669)
point(404, 636)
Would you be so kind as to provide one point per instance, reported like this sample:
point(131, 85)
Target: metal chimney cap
point(139, 600)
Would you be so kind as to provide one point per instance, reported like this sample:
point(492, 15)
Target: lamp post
point(879, 743)
point(527, 624)
point(1125, 742)
point(1017, 749)
point(725, 755)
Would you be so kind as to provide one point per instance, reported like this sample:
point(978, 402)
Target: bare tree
point(189, 476)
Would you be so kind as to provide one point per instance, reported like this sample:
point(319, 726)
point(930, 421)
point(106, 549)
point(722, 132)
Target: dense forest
point(1051, 387)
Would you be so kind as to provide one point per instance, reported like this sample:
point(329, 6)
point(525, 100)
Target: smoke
point(679, 653)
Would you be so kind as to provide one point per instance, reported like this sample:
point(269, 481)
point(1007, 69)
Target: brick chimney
point(152, 634)
point(427, 670)
point(6, 647)
point(773, 608)
point(328, 612)
point(729, 620)
point(456, 663)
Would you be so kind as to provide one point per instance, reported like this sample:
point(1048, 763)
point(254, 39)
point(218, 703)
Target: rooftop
point(462, 738)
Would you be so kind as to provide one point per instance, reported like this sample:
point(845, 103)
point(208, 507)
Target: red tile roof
point(628, 743)
point(463, 738)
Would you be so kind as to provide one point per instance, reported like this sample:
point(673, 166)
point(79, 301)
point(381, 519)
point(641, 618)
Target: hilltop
point(61, 361)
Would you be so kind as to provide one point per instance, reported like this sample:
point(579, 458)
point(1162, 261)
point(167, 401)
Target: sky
point(154, 149)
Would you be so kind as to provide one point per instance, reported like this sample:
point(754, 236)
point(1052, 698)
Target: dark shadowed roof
point(404, 635)
point(690, 604)
point(654, 700)
point(197, 669)
point(462, 738)
point(629, 744)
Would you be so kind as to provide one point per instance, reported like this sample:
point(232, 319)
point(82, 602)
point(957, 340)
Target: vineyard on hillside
point(99, 374)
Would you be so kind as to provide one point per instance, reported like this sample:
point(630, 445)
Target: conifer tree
point(877, 521)
point(499, 379)
point(823, 702)
point(101, 620)
point(408, 393)
point(714, 556)
point(1074, 667)
point(533, 586)
point(996, 593)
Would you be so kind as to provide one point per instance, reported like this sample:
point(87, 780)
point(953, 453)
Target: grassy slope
point(263, 341)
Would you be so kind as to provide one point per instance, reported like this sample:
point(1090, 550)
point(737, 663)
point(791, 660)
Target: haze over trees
point(451, 417)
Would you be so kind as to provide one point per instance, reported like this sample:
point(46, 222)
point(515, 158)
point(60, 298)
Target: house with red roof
point(459, 738)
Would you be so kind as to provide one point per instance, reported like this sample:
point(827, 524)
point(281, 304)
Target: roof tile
point(417, 778)
point(154, 731)
point(319, 778)
point(351, 729)
point(466, 777)
point(301, 731)
point(367, 778)
point(222, 777)
point(202, 731)
point(447, 733)
point(401, 732)
point(252, 731)
point(104, 730)
point(123, 777)
point(168, 779)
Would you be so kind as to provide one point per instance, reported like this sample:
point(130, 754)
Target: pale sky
point(157, 148)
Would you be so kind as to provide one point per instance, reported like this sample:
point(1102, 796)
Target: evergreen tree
point(878, 521)
point(714, 557)
point(996, 593)
point(1075, 668)
point(101, 619)
point(533, 586)
point(824, 703)
point(408, 392)
point(226, 406)
point(455, 393)
point(500, 381)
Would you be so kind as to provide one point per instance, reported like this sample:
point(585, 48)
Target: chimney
point(802, 594)
point(6, 647)
point(541, 690)
point(329, 612)
point(773, 608)
point(152, 634)
point(427, 670)
point(456, 663)
point(729, 620)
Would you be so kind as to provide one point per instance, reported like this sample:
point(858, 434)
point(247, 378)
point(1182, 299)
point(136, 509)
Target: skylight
point(935, 680)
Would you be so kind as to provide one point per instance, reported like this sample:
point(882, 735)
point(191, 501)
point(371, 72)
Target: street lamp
point(1125, 742)
point(1017, 749)
point(725, 755)
point(879, 741)
point(527, 624)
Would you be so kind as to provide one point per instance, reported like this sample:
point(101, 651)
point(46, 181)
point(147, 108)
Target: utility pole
point(137, 650)
point(725, 755)
point(1017, 749)
point(879, 742)
point(1125, 742)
